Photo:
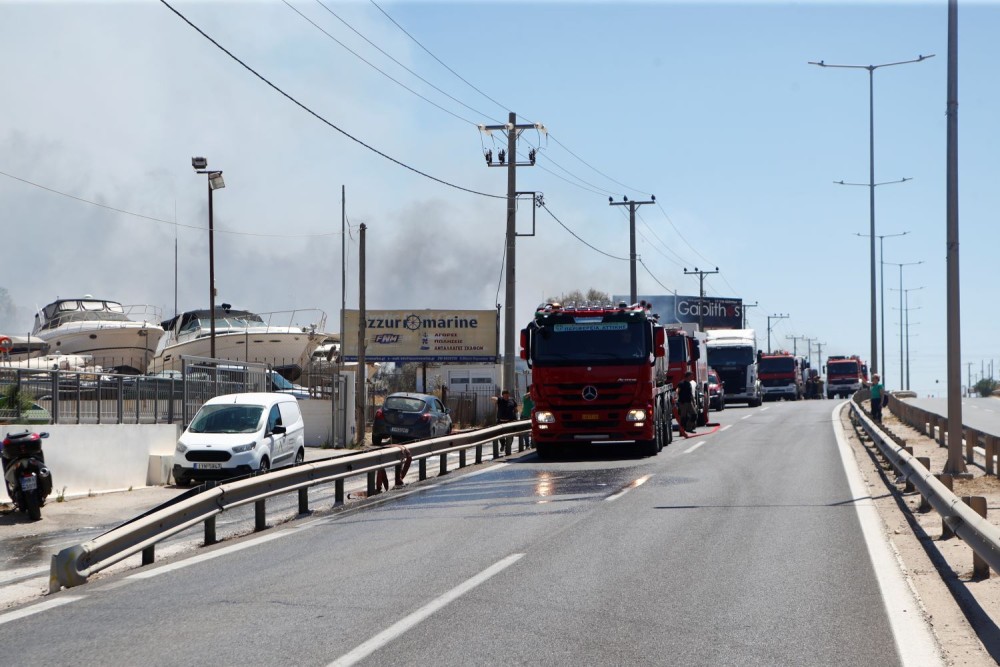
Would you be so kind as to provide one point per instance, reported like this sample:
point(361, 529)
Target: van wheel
point(300, 456)
point(377, 440)
point(264, 466)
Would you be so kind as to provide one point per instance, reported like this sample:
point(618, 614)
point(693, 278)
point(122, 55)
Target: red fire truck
point(780, 374)
point(688, 352)
point(598, 375)
point(845, 375)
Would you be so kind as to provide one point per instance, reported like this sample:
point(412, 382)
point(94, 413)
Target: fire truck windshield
point(601, 342)
point(842, 368)
point(678, 352)
point(776, 365)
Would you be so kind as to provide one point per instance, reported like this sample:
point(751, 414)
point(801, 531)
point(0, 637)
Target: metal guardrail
point(982, 536)
point(73, 565)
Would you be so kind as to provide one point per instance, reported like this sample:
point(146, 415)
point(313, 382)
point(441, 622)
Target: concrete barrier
point(97, 458)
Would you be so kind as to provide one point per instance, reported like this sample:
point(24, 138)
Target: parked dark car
point(716, 391)
point(407, 416)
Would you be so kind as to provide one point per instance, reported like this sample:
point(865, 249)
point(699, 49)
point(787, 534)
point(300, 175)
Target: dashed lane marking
point(38, 608)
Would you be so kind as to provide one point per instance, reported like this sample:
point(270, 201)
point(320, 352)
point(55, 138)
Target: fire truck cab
point(689, 352)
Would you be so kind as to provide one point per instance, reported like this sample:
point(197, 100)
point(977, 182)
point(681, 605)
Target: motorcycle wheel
point(32, 505)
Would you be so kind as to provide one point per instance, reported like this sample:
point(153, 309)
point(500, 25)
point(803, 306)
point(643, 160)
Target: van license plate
point(29, 483)
point(590, 416)
point(399, 429)
point(208, 466)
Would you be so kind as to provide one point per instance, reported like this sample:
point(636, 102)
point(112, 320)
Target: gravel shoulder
point(961, 608)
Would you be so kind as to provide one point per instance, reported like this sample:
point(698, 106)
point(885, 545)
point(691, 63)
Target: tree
point(576, 296)
point(986, 386)
point(8, 312)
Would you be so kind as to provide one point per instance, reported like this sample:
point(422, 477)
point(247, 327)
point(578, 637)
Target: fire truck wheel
point(649, 448)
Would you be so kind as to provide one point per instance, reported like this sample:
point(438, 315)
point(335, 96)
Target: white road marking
point(636, 483)
point(745, 417)
point(694, 447)
point(724, 428)
point(400, 627)
point(766, 407)
point(909, 627)
point(38, 608)
point(225, 551)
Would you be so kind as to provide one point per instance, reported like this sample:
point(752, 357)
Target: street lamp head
point(215, 180)
point(652, 197)
point(611, 200)
point(199, 163)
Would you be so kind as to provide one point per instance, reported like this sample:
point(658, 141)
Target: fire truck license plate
point(590, 416)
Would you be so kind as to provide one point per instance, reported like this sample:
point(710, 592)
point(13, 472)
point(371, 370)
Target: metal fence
point(79, 397)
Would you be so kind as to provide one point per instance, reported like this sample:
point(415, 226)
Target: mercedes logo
point(589, 392)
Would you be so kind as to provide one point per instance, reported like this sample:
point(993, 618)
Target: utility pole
point(769, 318)
point(881, 276)
point(795, 347)
point(745, 306)
point(632, 206)
point(819, 354)
point(701, 292)
point(508, 158)
point(968, 385)
point(809, 352)
point(359, 380)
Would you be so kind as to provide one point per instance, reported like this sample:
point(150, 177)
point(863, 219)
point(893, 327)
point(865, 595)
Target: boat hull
point(128, 348)
point(271, 347)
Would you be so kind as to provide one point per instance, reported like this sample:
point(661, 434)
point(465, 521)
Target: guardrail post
point(461, 458)
point(338, 491)
point(980, 568)
point(259, 516)
point(908, 486)
point(304, 500)
point(947, 480)
point(925, 505)
point(422, 472)
point(210, 522)
point(443, 468)
point(942, 425)
point(479, 453)
point(149, 554)
point(372, 486)
point(970, 445)
point(990, 445)
point(496, 449)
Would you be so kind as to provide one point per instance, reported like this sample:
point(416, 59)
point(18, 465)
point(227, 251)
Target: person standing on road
point(878, 395)
point(685, 402)
point(527, 407)
point(506, 412)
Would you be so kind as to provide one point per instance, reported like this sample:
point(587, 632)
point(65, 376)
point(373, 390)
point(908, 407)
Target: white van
point(237, 434)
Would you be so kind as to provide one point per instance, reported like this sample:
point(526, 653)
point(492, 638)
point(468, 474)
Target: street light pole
point(871, 181)
point(215, 182)
point(900, 290)
point(881, 270)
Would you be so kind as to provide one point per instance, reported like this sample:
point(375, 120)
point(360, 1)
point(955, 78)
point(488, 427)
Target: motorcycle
point(29, 482)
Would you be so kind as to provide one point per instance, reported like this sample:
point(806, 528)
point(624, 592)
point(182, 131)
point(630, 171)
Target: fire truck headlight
point(545, 417)
point(636, 416)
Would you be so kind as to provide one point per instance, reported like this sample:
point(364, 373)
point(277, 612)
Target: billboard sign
point(717, 312)
point(423, 335)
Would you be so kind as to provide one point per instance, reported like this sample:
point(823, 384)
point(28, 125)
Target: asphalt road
point(737, 547)
point(982, 414)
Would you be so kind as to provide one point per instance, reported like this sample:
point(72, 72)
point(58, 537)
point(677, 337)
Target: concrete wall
point(97, 458)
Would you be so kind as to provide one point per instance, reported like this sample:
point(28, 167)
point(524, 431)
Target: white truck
point(732, 353)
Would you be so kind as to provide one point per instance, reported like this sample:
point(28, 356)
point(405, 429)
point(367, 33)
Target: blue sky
point(711, 107)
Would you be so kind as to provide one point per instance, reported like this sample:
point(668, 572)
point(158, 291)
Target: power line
point(320, 118)
point(574, 234)
point(502, 106)
point(378, 69)
point(152, 219)
point(417, 42)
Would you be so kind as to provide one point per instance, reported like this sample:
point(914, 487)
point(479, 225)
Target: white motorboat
point(19, 348)
point(116, 337)
point(285, 338)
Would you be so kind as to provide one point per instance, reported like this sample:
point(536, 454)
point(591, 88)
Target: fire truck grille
point(610, 393)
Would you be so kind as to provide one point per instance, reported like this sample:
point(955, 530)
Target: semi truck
point(781, 375)
point(732, 353)
point(598, 375)
point(688, 352)
point(845, 375)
